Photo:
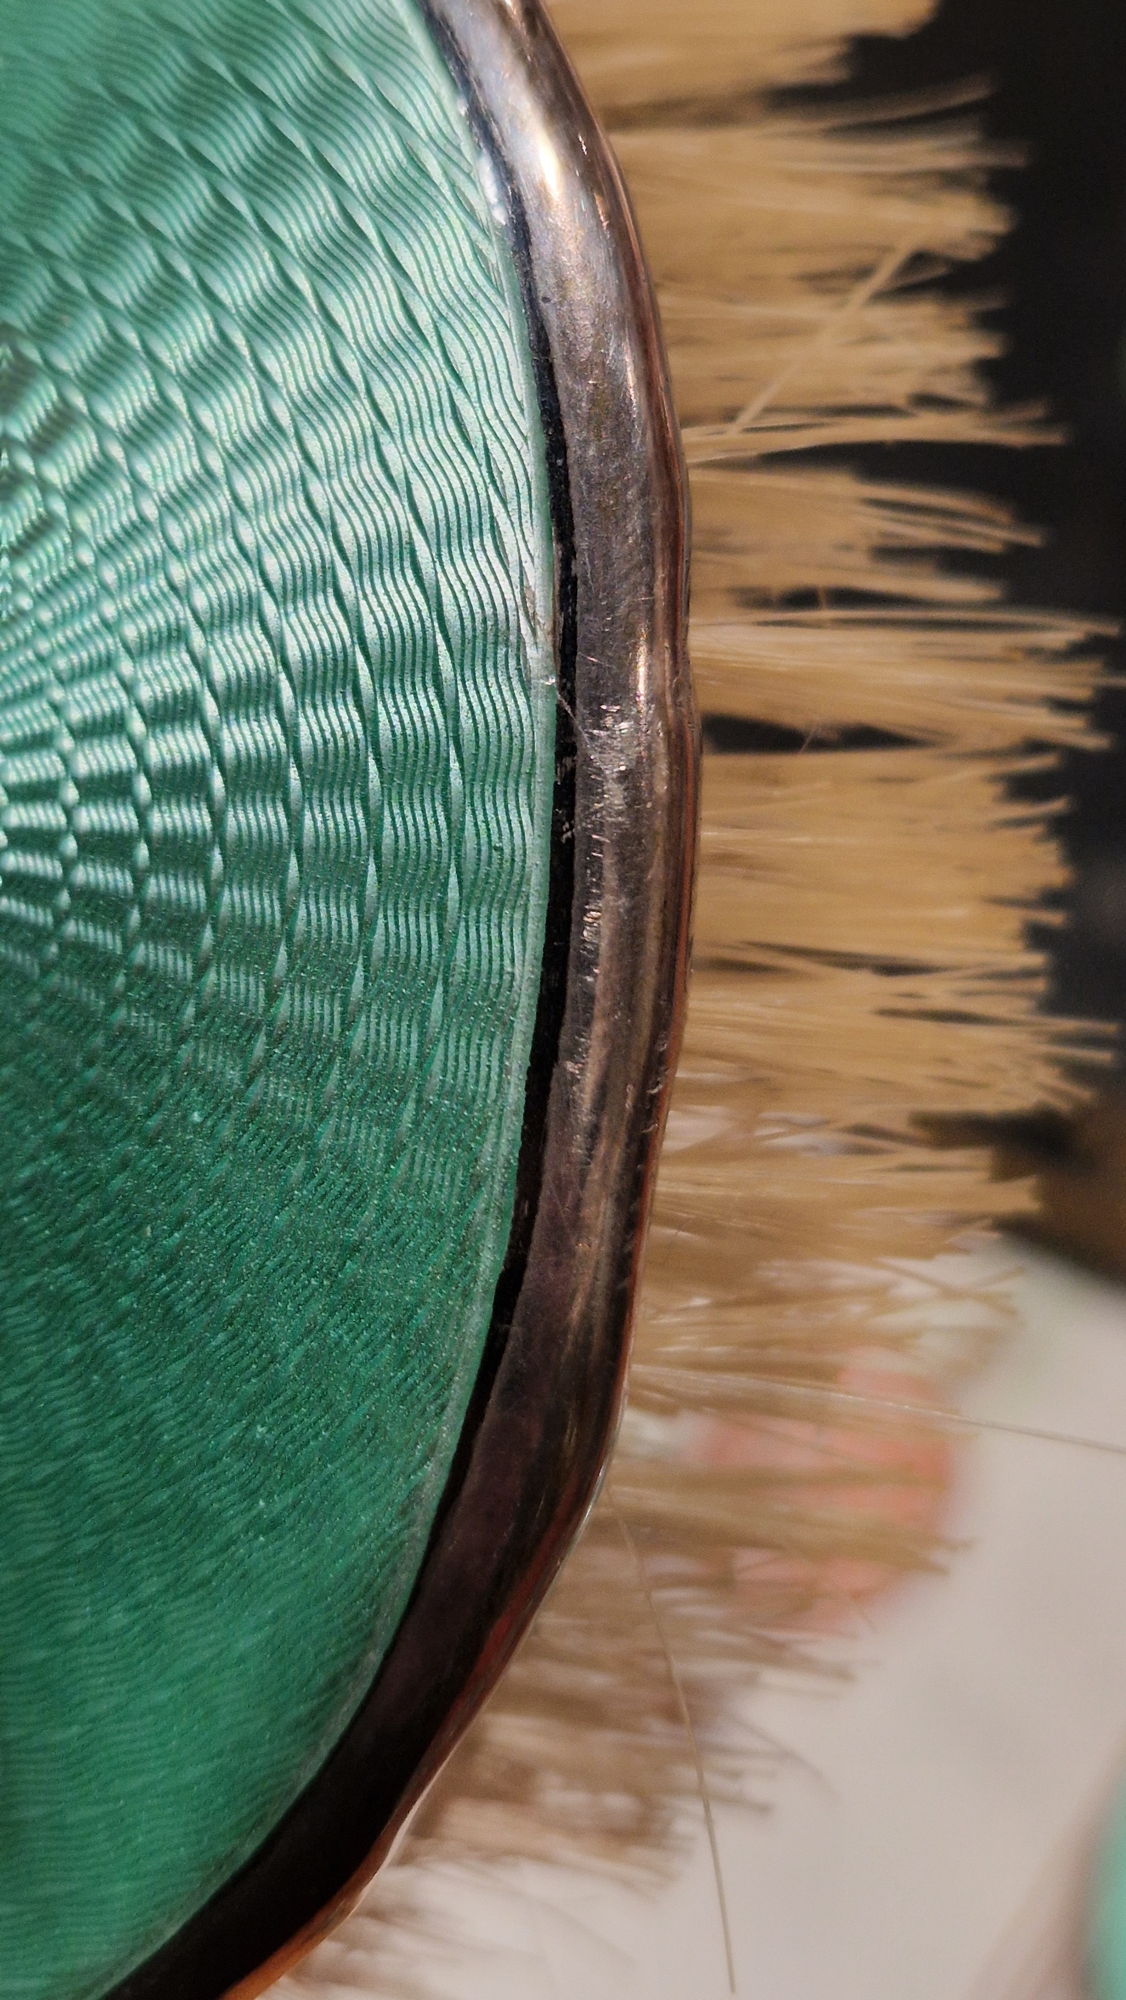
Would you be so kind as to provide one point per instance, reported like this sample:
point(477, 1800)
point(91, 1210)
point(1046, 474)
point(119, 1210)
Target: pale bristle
point(862, 948)
point(632, 57)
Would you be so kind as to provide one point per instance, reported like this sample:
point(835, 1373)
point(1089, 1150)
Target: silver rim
point(610, 1011)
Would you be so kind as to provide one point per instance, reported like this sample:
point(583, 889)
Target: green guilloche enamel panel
point(276, 757)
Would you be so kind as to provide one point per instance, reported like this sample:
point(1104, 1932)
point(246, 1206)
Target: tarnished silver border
point(539, 1437)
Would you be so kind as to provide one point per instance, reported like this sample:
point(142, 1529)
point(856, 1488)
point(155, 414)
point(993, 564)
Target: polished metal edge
point(538, 1442)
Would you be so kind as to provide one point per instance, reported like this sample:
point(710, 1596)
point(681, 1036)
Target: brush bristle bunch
point(862, 956)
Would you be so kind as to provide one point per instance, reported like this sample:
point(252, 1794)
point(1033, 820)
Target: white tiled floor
point(927, 1840)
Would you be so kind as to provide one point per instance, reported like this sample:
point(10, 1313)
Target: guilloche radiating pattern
point(276, 716)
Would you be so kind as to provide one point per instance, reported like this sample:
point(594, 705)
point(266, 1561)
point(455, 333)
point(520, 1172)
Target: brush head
point(281, 525)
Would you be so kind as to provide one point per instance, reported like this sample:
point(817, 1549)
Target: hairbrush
point(867, 1041)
